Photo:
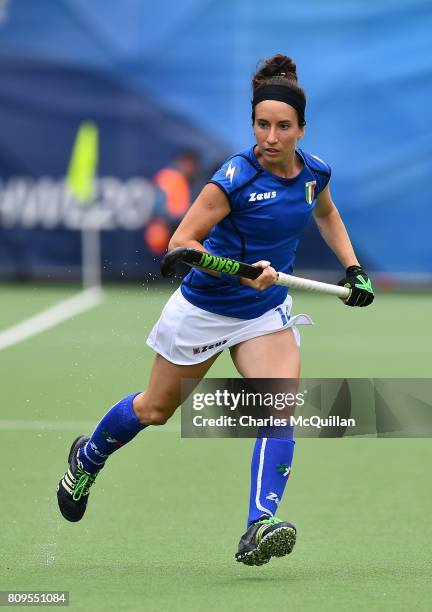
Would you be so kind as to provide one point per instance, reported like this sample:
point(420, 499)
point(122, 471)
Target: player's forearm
point(180, 240)
point(333, 230)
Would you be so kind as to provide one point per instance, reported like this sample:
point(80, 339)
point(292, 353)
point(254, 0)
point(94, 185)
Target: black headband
point(281, 93)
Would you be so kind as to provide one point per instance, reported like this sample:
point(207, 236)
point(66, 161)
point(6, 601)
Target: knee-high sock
point(118, 427)
point(270, 469)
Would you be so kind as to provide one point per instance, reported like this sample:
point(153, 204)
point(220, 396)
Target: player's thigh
point(274, 355)
point(163, 394)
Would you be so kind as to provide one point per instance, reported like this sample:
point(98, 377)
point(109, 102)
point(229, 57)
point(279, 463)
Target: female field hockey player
point(253, 209)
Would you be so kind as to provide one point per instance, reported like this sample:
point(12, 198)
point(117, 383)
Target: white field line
point(83, 426)
point(89, 298)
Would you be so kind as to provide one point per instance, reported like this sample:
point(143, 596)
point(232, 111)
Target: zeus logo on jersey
point(257, 197)
point(202, 349)
point(230, 172)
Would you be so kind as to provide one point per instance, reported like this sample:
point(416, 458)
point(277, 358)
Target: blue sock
point(270, 470)
point(118, 427)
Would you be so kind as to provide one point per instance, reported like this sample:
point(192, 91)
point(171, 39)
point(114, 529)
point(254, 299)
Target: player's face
point(277, 131)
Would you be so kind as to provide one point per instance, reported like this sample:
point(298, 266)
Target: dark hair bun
point(278, 70)
point(277, 66)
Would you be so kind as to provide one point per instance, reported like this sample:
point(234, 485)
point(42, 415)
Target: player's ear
point(301, 132)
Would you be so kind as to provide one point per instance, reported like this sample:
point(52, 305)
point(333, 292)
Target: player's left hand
point(267, 277)
point(362, 293)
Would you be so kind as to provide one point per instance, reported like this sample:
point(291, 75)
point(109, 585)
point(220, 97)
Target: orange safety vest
point(177, 191)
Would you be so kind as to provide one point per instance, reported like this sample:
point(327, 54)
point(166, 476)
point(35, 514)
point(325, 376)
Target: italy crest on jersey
point(310, 191)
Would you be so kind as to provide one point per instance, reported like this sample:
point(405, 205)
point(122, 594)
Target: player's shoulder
point(315, 163)
point(237, 171)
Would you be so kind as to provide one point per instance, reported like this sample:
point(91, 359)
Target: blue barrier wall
point(159, 77)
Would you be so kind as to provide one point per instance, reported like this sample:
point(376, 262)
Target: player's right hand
point(267, 277)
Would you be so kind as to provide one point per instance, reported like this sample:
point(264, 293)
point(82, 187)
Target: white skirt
point(186, 334)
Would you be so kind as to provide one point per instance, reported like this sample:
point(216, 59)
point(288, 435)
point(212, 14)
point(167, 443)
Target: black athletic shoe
point(73, 488)
point(266, 539)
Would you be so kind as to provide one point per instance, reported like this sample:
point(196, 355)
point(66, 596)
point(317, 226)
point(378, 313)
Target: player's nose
point(272, 136)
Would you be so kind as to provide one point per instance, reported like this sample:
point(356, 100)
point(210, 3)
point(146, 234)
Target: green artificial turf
point(166, 514)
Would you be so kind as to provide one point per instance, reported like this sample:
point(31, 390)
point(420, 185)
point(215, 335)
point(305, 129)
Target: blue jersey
point(268, 214)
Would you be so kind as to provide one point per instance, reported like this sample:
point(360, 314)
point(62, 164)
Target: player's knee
point(149, 412)
point(151, 416)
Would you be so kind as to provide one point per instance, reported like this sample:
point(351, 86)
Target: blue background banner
point(158, 78)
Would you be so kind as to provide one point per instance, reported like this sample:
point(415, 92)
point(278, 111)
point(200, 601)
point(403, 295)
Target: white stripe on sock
point(259, 478)
point(91, 460)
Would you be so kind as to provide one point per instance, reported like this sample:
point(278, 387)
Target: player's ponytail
point(280, 71)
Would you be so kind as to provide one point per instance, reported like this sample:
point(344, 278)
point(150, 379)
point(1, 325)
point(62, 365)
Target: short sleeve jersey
point(268, 214)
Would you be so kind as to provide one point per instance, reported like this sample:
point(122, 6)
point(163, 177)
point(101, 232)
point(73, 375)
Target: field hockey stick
point(198, 259)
